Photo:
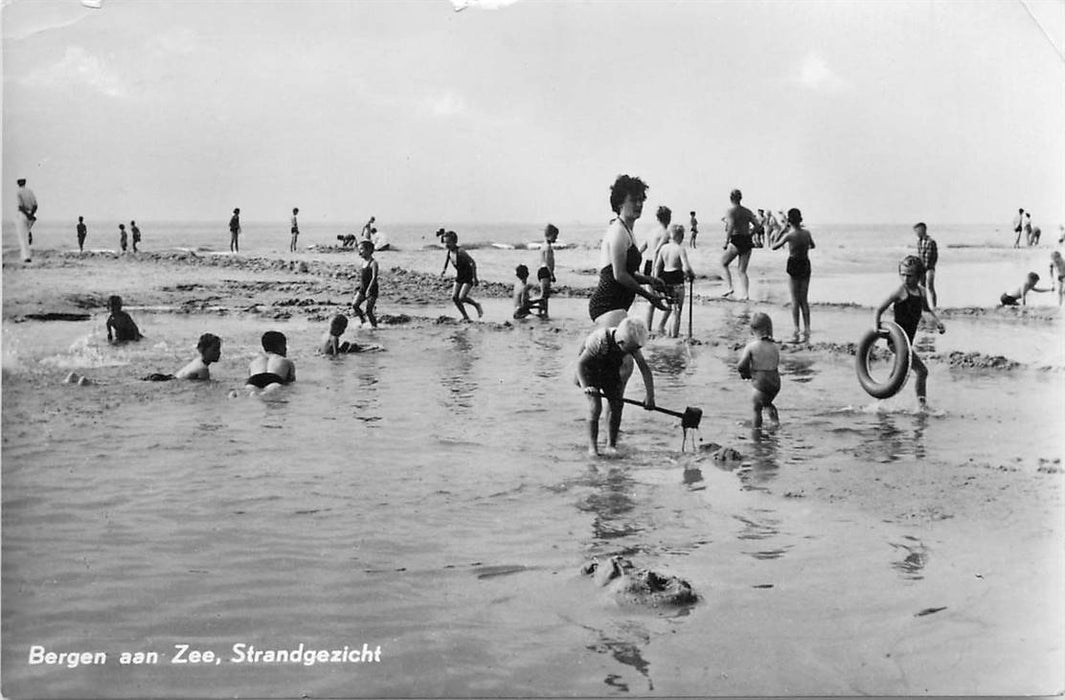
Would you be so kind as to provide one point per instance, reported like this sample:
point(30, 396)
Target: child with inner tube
point(908, 302)
point(272, 367)
point(760, 362)
point(599, 373)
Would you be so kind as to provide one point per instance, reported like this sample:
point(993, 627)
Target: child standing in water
point(800, 243)
point(599, 373)
point(759, 362)
point(672, 267)
point(908, 302)
point(1057, 274)
point(465, 275)
point(546, 274)
point(368, 287)
point(120, 326)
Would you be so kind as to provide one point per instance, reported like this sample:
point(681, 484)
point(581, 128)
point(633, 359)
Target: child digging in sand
point(1057, 274)
point(1021, 293)
point(120, 327)
point(523, 305)
point(368, 286)
point(465, 275)
point(272, 367)
point(599, 374)
point(759, 362)
point(908, 302)
point(210, 348)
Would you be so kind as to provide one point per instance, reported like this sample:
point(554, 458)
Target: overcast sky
point(856, 112)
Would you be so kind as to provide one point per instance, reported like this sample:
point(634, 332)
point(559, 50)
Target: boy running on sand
point(523, 305)
point(120, 326)
point(272, 367)
point(1021, 293)
point(210, 348)
point(908, 302)
point(1057, 274)
point(759, 362)
point(599, 369)
point(368, 286)
point(465, 275)
point(673, 268)
point(800, 242)
point(546, 274)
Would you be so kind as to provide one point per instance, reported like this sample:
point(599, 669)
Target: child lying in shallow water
point(210, 347)
point(332, 344)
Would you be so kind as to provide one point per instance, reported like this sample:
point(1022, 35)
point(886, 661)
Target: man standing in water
point(693, 225)
point(83, 231)
point(234, 231)
point(1018, 227)
point(24, 218)
point(739, 220)
point(295, 230)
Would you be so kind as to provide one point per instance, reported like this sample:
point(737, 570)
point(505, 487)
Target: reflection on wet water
point(611, 504)
point(797, 369)
point(764, 464)
point(625, 647)
point(895, 437)
point(912, 565)
point(670, 359)
point(456, 374)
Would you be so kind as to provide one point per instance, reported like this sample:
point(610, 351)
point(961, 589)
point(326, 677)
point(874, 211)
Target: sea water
point(434, 500)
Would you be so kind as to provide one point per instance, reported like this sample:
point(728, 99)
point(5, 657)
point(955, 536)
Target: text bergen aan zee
point(240, 653)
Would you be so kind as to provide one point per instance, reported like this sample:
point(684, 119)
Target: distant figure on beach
point(83, 231)
point(25, 217)
point(465, 275)
point(523, 303)
point(368, 285)
point(673, 268)
point(210, 348)
point(1018, 227)
point(136, 233)
point(771, 226)
point(272, 367)
point(1021, 293)
point(739, 221)
point(659, 237)
point(234, 231)
point(759, 362)
point(123, 237)
point(120, 326)
point(908, 302)
point(693, 226)
point(1057, 274)
point(545, 275)
point(800, 243)
point(1028, 228)
point(347, 240)
point(928, 252)
point(294, 229)
point(601, 373)
point(763, 221)
point(368, 230)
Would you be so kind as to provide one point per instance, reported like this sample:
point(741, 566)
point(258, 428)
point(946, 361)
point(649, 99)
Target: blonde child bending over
point(759, 362)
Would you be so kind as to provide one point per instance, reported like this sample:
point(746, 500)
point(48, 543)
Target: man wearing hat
point(24, 218)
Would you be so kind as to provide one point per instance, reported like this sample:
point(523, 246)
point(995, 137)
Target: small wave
point(894, 408)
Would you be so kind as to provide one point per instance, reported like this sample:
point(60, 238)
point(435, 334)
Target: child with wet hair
point(603, 372)
point(1057, 274)
point(210, 348)
point(120, 326)
point(523, 304)
point(1021, 293)
point(759, 362)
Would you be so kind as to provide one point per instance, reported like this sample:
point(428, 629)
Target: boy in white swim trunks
point(760, 362)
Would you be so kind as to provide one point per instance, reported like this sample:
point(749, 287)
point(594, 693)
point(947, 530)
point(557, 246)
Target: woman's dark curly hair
point(623, 187)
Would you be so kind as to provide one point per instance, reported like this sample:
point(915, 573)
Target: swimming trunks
point(743, 242)
point(766, 381)
point(264, 379)
point(543, 273)
point(369, 290)
point(647, 267)
point(908, 314)
point(1008, 300)
point(673, 277)
point(610, 294)
point(799, 268)
point(607, 358)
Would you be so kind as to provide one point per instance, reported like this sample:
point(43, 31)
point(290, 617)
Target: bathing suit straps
point(368, 290)
point(908, 314)
point(610, 294)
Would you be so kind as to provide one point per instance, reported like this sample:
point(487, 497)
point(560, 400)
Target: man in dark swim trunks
point(739, 240)
point(272, 367)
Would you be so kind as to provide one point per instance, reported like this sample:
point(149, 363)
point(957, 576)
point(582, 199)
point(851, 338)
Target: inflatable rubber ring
point(899, 343)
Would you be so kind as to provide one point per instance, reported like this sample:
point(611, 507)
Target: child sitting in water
point(272, 367)
point(759, 362)
point(331, 343)
point(120, 327)
point(602, 371)
point(1021, 293)
point(908, 302)
point(523, 305)
point(1057, 274)
point(210, 347)
point(368, 287)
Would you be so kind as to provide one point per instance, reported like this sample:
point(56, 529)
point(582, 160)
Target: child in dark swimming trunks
point(800, 243)
point(546, 274)
point(673, 268)
point(1021, 293)
point(759, 362)
point(1057, 274)
point(272, 367)
point(599, 369)
point(210, 348)
point(120, 327)
point(908, 302)
point(465, 275)
point(523, 305)
point(368, 285)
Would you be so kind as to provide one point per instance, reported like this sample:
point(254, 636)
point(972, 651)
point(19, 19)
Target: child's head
point(1033, 278)
point(210, 347)
point(338, 324)
point(275, 342)
point(522, 272)
point(366, 248)
point(631, 334)
point(664, 215)
point(295, 210)
point(114, 302)
point(550, 232)
point(121, 227)
point(920, 229)
point(451, 239)
point(761, 325)
point(693, 213)
point(676, 233)
point(761, 212)
point(794, 217)
point(911, 267)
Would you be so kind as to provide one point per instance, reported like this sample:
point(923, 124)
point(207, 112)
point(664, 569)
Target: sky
point(441, 112)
